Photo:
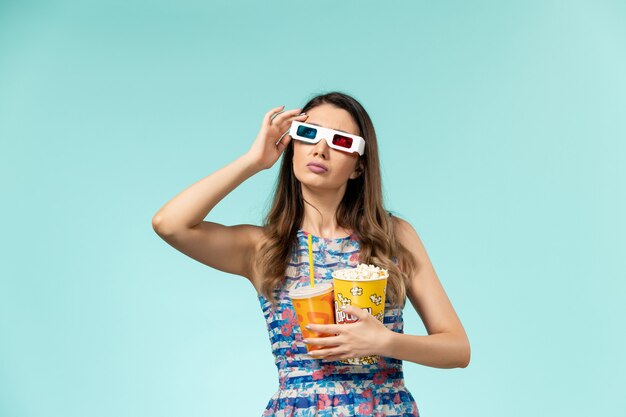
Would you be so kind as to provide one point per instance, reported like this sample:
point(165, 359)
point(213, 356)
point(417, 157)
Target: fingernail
point(343, 307)
point(307, 327)
point(306, 340)
point(302, 114)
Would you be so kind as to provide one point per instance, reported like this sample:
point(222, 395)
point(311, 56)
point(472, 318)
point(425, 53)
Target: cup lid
point(308, 291)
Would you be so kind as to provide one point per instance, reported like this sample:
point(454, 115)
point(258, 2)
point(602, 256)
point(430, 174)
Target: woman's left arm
point(445, 346)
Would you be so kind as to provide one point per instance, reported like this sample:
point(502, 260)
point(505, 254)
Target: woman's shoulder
point(258, 235)
point(397, 221)
point(402, 229)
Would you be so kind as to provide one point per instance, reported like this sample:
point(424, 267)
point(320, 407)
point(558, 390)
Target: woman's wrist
point(253, 164)
point(385, 343)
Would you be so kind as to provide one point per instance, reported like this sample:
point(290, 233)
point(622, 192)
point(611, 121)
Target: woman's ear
point(357, 171)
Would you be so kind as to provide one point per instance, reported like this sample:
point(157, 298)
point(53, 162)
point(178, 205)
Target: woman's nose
point(321, 148)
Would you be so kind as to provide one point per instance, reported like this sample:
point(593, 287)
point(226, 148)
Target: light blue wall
point(501, 127)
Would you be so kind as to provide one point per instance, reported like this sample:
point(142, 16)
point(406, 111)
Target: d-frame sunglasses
point(337, 140)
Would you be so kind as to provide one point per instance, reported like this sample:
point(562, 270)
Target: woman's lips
point(316, 168)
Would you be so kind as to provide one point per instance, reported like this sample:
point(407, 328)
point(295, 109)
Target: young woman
point(329, 186)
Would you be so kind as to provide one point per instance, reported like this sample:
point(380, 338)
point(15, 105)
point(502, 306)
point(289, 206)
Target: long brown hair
point(361, 210)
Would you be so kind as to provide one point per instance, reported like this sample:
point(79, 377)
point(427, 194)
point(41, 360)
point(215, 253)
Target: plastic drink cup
point(367, 293)
point(313, 305)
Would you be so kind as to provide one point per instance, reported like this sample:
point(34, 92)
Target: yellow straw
point(311, 261)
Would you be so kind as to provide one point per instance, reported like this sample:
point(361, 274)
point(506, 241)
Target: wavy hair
point(361, 210)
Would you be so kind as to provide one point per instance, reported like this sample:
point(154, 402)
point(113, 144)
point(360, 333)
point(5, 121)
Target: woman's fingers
point(281, 117)
point(269, 114)
point(326, 328)
point(278, 115)
point(326, 353)
point(323, 341)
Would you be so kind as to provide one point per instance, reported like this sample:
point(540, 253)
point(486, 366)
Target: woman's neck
point(320, 214)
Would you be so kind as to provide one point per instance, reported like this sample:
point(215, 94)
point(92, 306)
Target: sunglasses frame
point(358, 143)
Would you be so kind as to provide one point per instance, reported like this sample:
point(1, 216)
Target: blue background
point(501, 129)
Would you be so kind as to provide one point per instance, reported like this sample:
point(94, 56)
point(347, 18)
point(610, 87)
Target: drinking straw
point(311, 261)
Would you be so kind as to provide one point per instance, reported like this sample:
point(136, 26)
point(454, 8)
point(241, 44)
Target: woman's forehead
point(333, 118)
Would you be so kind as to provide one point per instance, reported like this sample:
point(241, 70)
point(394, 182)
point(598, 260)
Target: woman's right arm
point(180, 222)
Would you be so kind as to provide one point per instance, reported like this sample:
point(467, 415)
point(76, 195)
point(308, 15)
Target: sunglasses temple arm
point(361, 147)
point(282, 136)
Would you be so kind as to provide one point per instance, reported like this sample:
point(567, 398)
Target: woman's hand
point(367, 336)
point(264, 151)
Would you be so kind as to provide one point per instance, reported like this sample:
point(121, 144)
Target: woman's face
point(340, 166)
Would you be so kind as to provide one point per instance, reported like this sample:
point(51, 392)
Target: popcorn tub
point(364, 287)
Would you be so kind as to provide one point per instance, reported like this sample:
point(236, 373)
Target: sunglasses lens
point(342, 141)
point(307, 132)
